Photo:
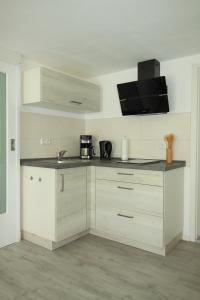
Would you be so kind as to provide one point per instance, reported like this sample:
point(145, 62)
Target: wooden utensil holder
point(169, 155)
point(169, 152)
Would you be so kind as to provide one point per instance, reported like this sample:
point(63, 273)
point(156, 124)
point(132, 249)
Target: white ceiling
point(93, 37)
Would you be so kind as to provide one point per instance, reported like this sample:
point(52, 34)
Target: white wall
point(9, 56)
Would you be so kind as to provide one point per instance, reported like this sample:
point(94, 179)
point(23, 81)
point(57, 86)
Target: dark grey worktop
point(76, 162)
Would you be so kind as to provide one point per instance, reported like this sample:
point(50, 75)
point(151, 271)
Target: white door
point(9, 162)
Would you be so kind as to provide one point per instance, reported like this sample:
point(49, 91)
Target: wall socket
point(45, 141)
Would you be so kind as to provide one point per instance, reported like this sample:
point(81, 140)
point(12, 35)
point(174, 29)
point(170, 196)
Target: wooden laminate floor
point(93, 268)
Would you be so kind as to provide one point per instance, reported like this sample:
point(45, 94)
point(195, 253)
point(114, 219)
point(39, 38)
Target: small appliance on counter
point(105, 149)
point(86, 147)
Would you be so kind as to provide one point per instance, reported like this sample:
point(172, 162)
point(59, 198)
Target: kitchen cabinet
point(47, 88)
point(140, 208)
point(53, 205)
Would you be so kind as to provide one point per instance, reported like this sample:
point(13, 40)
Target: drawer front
point(112, 196)
point(134, 227)
point(130, 175)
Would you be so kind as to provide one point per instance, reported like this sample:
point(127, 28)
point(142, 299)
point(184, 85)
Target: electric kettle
point(105, 149)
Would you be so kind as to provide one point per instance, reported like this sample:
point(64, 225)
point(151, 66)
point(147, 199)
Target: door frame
point(195, 143)
point(10, 221)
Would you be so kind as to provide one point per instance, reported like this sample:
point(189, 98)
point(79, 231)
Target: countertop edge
point(157, 166)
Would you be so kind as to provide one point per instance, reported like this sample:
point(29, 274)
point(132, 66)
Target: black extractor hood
point(148, 95)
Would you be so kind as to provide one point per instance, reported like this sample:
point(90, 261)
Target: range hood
point(148, 95)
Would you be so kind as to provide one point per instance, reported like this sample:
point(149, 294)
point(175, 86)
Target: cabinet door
point(71, 202)
point(68, 92)
point(38, 205)
point(43, 87)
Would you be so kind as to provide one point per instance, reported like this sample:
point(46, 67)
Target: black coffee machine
point(86, 147)
point(105, 149)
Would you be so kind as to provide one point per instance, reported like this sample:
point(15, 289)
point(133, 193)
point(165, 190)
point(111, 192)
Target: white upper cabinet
point(46, 88)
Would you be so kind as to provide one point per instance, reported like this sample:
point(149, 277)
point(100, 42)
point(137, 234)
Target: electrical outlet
point(45, 140)
point(48, 141)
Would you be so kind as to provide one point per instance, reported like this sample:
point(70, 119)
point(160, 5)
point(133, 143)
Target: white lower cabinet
point(140, 208)
point(53, 205)
point(135, 207)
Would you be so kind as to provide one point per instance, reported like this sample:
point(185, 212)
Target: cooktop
point(138, 161)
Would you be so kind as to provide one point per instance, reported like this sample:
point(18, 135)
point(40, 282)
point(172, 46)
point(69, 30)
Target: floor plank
point(95, 268)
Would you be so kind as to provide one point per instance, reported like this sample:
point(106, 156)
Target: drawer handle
point(124, 174)
point(76, 102)
point(62, 183)
point(31, 178)
point(40, 179)
point(125, 188)
point(125, 216)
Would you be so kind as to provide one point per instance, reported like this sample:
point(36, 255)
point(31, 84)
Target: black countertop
point(74, 162)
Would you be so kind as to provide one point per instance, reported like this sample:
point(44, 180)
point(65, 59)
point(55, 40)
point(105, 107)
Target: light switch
point(12, 144)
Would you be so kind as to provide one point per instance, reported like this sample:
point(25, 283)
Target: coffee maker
point(105, 149)
point(86, 147)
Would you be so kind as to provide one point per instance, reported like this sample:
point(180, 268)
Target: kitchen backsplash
point(145, 134)
point(62, 132)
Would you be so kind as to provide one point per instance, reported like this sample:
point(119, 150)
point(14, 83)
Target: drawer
point(133, 227)
point(130, 175)
point(113, 195)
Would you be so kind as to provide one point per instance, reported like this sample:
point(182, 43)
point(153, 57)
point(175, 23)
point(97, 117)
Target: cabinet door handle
point(31, 178)
point(125, 216)
point(62, 183)
point(76, 102)
point(124, 174)
point(125, 188)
